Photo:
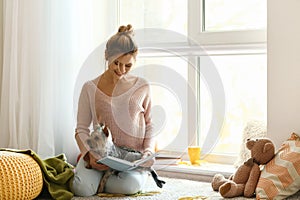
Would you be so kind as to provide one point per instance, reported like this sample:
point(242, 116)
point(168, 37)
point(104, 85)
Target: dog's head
point(100, 140)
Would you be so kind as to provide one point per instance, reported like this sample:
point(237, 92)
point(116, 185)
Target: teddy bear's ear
point(250, 144)
point(267, 147)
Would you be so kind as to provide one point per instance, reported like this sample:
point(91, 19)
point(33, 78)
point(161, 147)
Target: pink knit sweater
point(128, 115)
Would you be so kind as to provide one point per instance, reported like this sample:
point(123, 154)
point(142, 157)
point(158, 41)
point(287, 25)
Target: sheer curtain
point(45, 44)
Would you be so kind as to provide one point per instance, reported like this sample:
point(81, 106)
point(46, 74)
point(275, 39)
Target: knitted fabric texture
point(57, 173)
point(21, 176)
point(127, 115)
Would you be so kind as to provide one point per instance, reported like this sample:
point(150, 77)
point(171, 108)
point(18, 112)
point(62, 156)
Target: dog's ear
point(86, 158)
point(106, 131)
point(102, 125)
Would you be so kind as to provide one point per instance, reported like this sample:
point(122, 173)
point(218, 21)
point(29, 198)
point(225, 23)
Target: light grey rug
point(175, 189)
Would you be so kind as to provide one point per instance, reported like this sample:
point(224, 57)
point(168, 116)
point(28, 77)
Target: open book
point(123, 165)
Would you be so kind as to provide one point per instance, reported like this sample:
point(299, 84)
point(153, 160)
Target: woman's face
point(121, 66)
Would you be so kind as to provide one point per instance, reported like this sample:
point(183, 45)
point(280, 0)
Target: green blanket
point(57, 174)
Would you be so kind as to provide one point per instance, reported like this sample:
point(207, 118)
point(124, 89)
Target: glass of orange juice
point(194, 154)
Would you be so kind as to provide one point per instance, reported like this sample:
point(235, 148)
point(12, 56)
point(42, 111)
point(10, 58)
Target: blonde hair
point(121, 43)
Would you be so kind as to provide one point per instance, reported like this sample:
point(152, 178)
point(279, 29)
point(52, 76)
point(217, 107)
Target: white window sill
point(204, 172)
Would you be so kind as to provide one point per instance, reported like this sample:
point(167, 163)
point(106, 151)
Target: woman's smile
point(119, 73)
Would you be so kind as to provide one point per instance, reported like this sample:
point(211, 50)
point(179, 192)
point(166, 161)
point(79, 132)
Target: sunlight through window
point(230, 15)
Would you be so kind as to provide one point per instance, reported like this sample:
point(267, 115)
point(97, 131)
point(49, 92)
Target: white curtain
point(45, 43)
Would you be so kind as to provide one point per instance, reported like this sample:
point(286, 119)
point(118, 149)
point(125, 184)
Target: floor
point(174, 189)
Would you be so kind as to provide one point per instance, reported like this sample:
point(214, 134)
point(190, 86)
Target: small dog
point(101, 143)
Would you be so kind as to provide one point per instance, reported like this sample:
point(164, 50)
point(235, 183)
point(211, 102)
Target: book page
point(141, 161)
point(116, 163)
point(123, 165)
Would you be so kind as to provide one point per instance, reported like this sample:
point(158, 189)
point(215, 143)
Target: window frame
point(222, 43)
point(246, 42)
point(196, 25)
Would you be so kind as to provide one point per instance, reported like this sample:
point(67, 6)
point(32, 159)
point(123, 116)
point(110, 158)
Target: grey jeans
point(86, 181)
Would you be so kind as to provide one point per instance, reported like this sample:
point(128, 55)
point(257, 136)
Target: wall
point(1, 44)
point(283, 69)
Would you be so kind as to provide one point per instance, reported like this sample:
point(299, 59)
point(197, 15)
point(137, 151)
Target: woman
point(121, 101)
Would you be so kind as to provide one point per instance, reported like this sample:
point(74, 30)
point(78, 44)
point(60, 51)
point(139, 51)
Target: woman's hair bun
point(126, 29)
point(121, 43)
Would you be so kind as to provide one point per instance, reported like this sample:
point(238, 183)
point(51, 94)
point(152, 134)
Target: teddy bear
point(243, 182)
point(253, 129)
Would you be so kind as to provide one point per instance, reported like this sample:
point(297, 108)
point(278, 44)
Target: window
point(232, 15)
point(244, 81)
point(164, 14)
point(158, 29)
point(227, 21)
point(234, 35)
point(179, 41)
point(168, 76)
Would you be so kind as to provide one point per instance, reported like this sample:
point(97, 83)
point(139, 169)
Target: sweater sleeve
point(149, 140)
point(84, 119)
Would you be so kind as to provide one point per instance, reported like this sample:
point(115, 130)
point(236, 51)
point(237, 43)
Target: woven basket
point(21, 177)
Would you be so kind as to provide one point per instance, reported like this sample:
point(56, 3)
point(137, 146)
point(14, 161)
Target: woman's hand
point(150, 162)
point(91, 160)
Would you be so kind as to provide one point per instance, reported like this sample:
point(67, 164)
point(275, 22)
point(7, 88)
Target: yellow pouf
point(20, 176)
